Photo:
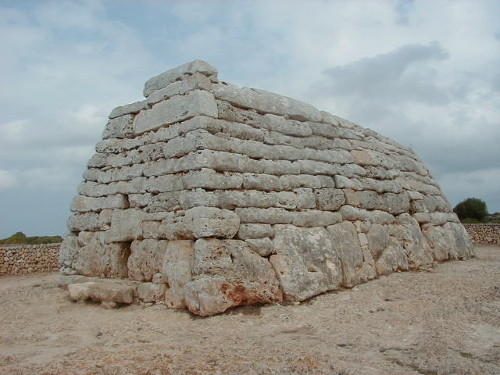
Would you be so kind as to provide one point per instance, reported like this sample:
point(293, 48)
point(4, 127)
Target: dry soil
point(445, 320)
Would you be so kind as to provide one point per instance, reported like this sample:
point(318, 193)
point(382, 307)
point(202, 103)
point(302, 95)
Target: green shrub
point(471, 208)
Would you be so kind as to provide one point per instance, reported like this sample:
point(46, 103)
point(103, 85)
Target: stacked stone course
point(24, 259)
point(486, 234)
point(209, 196)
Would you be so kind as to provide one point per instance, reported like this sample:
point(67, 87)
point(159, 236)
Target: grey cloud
point(398, 74)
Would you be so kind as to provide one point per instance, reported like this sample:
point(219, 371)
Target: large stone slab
point(228, 273)
point(164, 79)
point(176, 109)
point(306, 262)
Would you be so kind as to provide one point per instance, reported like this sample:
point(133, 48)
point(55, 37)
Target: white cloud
point(8, 180)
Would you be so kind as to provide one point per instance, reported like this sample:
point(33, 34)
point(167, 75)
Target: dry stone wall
point(24, 259)
point(486, 234)
point(207, 196)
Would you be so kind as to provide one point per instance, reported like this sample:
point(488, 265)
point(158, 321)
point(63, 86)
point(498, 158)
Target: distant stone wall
point(24, 259)
point(488, 234)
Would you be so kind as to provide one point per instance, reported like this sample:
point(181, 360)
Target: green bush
point(471, 208)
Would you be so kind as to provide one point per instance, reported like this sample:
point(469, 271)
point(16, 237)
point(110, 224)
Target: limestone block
point(210, 179)
point(278, 167)
point(255, 231)
point(146, 259)
point(353, 214)
point(343, 182)
point(345, 241)
point(162, 184)
point(139, 200)
point(146, 153)
point(381, 186)
point(83, 222)
point(440, 241)
point(68, 250)
point(150, 292)
point(228, 273)
point(285, 126)
point(164, 134)
point(165, 202)
point(462, 248)
point(123, 225)
point(96, 258)
point(266, 102)
point(237, 115)
point(262, 246)
point(187, 83)
point(176, 270)
point(80, 292)
point(212, 222)
point(108, 292)
point(204, 296)
point(316, 167)
point(305, 262)
point(175, 109)
point(290, 182)
point(150, 229)
point(239, 130)
point(393, 258)
point(112, 293)
point(435, 218)
point(413, 241)
point(264, 215)
point(351, 170)
point(261, 182)
point(164, 79)
point(119, 127)
point(329, 199)
point(315, 218)
point(98, 161)
point(132, 108)
point(305, 198)
point(378, 239)
point(200, 222)
point(86, 204)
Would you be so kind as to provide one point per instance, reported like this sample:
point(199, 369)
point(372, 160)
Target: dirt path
point(444, 321)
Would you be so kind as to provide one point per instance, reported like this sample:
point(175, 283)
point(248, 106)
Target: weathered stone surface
point(175, 109)
point(305, 262)
point(207, 196)
point(176, 270)
point(164, 79)
point(255, 231)
point(93, 257)
point(146, 259)
point(108, 292)
point(266, 102)
point(346, 244)
point(150, 292)
point(124, 224)
point(132, 108)
point(119, 127)
point(86, 204)
point(228, 273)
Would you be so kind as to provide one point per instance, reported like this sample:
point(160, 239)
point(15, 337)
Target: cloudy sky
point(425, 73)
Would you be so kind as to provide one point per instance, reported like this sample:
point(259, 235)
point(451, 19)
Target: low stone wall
point(23, 259)
point(488, 234)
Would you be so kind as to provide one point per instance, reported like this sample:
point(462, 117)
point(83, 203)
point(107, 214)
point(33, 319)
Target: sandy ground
point(442, 321)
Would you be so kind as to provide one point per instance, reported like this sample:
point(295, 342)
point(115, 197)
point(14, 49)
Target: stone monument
point(207, 196)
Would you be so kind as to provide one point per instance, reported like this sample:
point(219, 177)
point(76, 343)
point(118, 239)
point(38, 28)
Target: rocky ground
point(445, 320)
